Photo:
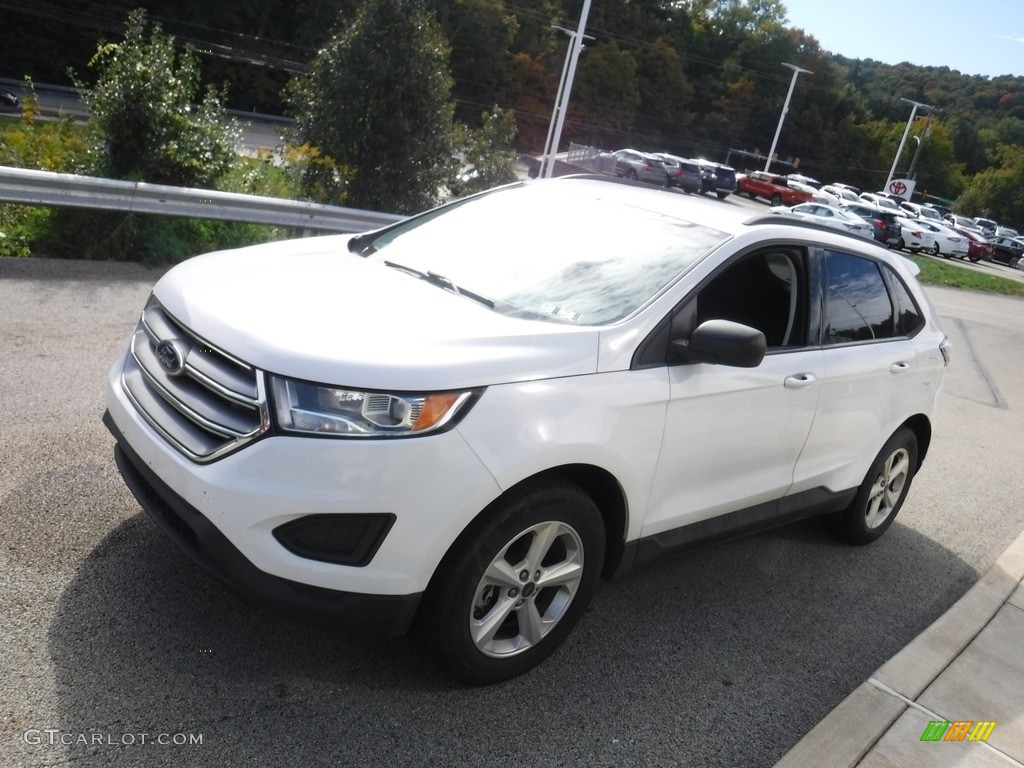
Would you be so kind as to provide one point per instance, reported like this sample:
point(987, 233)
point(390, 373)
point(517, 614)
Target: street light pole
point(785, 108)
point(920, 142)
point(565, 89)
point(913, 112)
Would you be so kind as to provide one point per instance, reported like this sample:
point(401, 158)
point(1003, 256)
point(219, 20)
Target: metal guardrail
point(19, 185)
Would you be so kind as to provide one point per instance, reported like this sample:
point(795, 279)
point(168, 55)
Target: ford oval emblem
point(170, 357)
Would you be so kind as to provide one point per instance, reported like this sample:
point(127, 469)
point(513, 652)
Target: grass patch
point(935, 272)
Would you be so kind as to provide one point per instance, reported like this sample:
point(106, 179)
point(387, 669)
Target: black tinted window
point(857, 304)
point(908, 316)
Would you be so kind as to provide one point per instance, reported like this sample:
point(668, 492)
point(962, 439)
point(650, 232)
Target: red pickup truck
point(773, 188)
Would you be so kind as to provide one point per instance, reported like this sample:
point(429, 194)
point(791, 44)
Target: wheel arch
point(599, 484)
point(922, 429)
point(610, 498)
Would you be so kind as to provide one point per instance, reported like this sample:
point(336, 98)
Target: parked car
point(639, 166)
point(1006, 232)
point(885, 223)
point(801, 179)
point(775, 189)
point(1006, 250)
point(841, 185)
point(830, 216)
point(978, 248)
point(914, 237)
point(817, 195)
point(987, 226)
point(964, 222)
point(471, 444)
point(684, 174)
point(919, 211)
point(944, 212)
point(8, 99)
point(948, 242)
point(880, 199)
point(719, 178)
point(843, 193)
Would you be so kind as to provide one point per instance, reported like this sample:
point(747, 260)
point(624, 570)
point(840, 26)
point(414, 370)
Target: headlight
point(314, 409)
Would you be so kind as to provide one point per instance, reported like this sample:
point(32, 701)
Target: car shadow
point(673, 664)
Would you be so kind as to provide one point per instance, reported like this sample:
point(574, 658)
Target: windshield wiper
point(442, 282)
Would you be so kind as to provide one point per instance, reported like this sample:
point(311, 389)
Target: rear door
point(872, 375)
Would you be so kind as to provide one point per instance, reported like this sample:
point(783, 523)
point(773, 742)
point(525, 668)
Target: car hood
point(309, 309)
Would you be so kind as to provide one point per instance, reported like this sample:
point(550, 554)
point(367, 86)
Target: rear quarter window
point(857, 303)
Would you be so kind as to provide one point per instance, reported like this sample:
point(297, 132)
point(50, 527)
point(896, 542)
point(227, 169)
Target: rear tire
point(882, 493)
point(513, 586)
point(776, 200)
point(1013, 262)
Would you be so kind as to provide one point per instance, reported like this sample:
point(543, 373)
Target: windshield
point(577, 254)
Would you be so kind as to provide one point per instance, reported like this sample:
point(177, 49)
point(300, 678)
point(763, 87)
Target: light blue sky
point(977, 37)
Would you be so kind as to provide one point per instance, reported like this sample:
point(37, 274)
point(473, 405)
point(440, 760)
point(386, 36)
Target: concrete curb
point(850, 730)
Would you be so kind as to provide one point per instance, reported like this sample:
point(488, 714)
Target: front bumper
point(211, 549)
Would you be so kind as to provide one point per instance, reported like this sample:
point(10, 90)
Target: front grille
point(201, 399)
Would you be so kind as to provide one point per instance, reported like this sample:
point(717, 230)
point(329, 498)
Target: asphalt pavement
point(953, 697)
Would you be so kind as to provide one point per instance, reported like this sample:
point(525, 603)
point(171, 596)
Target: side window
point(908, 315)
point(767, 290)
point(857, 304)
point(764, 290)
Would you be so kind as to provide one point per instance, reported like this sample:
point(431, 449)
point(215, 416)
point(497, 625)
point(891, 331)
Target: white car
point(817, 195)
point(914, 236)
point(468, 418)
point(881, 200)
point(948, 242)
point(829, 216)
point(841, 192)
point(918, 211)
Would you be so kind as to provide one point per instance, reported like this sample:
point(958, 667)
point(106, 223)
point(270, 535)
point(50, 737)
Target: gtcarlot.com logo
point(53, 737)
point(958, 730)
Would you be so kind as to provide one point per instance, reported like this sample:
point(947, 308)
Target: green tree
point(143, 113)
point(377, 101)
point(530, 93)
point(608, 91)
point(488, 152)
point(996, 192)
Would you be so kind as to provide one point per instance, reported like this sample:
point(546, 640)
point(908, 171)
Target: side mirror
point(722, 342)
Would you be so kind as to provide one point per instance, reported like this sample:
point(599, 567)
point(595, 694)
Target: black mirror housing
point(722, 342)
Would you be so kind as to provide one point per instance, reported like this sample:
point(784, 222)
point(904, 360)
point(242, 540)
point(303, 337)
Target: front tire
point(882, 493)
point(513, 586)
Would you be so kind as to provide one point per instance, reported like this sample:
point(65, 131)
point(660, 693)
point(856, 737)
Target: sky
point(976, 37)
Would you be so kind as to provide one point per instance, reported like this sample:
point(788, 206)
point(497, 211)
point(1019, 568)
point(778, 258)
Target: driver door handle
point(799, 380)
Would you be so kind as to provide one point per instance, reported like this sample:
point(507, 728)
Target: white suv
point(463, 421)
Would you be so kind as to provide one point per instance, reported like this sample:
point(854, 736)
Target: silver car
point(640, 166)
point(830, 216)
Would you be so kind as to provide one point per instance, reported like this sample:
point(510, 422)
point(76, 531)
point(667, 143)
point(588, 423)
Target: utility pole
point(913, 112)
point(564, 91)
point(785, 108)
